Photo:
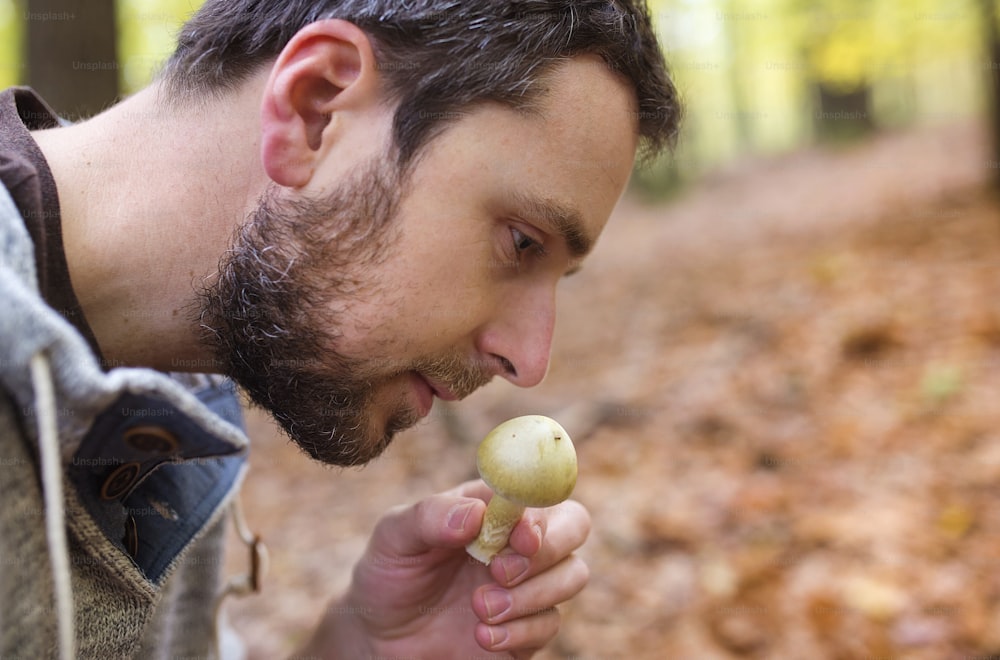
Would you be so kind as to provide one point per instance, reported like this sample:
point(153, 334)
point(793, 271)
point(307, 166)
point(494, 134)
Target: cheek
point(439, 308)
point(433, 291)
point(444, 281)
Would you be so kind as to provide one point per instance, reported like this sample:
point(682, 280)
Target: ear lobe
point(326, 70)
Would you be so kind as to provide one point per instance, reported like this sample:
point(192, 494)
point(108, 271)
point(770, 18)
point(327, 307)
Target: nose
point(520, 339)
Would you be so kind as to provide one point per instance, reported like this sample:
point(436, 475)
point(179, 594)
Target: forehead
point(585, 125)
point(589, 112)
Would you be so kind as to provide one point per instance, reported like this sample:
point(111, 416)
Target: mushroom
point(526, 461)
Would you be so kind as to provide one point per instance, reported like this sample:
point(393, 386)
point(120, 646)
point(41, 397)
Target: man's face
point(345, 316)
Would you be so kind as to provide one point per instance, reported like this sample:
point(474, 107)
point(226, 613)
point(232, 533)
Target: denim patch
point(151, 478)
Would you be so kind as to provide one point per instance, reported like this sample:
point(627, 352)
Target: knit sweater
point(114, 488)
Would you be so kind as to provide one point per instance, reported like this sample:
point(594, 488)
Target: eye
point(524, 243)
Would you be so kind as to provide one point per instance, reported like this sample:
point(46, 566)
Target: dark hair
point(440, 57)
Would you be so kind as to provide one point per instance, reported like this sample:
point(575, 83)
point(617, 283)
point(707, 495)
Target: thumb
point(439, 521)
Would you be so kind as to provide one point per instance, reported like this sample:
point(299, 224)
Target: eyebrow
point(559, 219)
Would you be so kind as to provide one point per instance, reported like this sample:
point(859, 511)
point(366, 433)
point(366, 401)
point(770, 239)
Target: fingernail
point(458, 515)
point(498, 635)
point(514, 566)
point(497, 602)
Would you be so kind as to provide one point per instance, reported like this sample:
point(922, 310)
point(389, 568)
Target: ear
point(327, 70)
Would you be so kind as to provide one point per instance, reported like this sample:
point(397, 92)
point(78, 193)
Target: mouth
point(441, 390)
point(425, 395)
point(426, 390)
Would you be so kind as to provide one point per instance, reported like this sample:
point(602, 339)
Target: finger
point(524, 634)
point(566, 527)
point(494, 604)
point(527, 536)
point(439, 521)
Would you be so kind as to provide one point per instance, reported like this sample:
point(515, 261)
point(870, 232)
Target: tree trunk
point(72, 57)
point(988, 17)
point(843, 115)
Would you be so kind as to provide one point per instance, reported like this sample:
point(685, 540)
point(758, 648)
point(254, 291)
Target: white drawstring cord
point(241, 585)
point(55, 515)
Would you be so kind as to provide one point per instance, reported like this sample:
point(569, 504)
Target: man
point(349, 208)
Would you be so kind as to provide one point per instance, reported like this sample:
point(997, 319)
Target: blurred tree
point(739, 60)
point(72, 54)
point(841, 45)
point(992, 66)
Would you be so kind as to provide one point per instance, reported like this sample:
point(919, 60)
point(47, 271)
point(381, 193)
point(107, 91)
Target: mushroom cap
point(529, 460)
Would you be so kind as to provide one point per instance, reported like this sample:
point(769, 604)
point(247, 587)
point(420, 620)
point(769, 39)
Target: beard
point(272, 317)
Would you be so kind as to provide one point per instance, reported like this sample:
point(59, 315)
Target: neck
point(150, 196)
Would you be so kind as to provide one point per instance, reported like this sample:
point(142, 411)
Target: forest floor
point(784, 389)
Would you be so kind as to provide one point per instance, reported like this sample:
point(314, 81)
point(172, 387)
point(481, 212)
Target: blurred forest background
point(787, 410)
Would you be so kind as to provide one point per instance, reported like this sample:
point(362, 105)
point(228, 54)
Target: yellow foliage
point(10, 44)
point(147, 33)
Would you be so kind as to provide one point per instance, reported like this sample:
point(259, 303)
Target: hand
point(416, 593)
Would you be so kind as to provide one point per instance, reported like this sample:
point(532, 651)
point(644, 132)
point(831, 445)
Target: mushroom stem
point(500, 518)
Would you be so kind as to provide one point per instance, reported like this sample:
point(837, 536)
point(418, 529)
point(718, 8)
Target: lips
point(424, 392)
point(426, 389)
point(440, 390)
